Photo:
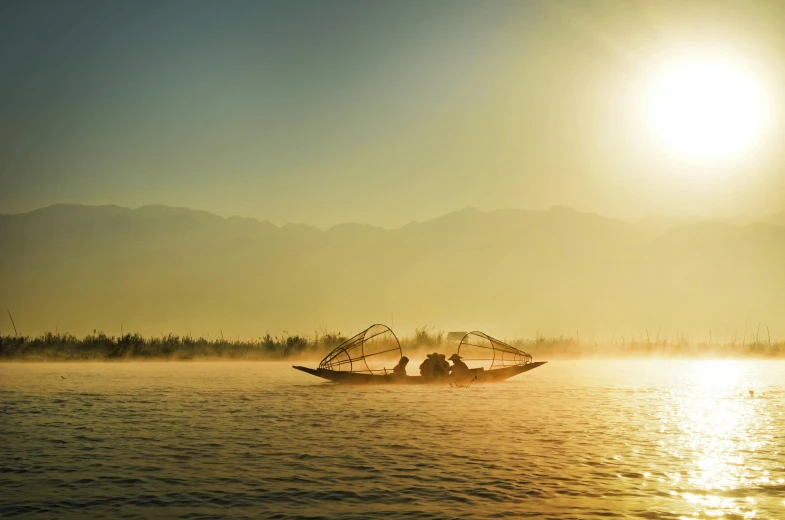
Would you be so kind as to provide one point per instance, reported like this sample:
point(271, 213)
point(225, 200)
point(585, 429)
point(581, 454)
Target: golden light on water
point(707, 107)
point(720, 430)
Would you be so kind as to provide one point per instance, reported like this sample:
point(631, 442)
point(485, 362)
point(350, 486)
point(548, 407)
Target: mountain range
point(159, 269)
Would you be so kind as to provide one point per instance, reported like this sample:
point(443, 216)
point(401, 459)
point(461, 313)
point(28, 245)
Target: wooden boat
point(369, 358)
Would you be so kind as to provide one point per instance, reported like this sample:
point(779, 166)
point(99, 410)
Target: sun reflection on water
point(717, 427)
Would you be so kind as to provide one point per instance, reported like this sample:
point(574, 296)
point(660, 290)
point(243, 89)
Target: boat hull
point(482, 376)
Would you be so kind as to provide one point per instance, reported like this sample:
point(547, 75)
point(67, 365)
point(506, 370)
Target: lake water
point(571, 439)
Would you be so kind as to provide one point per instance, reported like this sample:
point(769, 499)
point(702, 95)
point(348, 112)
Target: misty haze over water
point(645, 281)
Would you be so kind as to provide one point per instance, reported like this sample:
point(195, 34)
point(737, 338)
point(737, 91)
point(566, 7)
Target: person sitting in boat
point(441, 368)
point(427, 366)
point(445, 364)
point(400, 368)
point(458, 368)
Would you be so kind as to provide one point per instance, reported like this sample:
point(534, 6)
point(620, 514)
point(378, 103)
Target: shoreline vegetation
point(98, 346)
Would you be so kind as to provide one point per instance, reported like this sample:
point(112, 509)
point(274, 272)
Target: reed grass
point(101, 347)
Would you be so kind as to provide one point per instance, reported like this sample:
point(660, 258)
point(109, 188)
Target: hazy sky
point(379, 112)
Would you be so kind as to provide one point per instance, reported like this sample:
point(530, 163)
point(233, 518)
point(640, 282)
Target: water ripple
point(589, 439)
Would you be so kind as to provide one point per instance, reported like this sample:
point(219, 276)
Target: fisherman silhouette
point(441, 366)
point(458, 368)
point(427, 367)
point(400, 369)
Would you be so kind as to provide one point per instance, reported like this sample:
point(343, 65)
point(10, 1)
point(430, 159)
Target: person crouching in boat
point(427, 366)
point(400, 369)
point(458, 368)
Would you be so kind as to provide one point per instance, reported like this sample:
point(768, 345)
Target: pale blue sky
point(378, 112)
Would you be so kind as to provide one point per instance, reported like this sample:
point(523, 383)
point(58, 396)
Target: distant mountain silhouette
point(158, 269)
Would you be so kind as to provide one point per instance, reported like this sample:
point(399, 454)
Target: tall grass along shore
point(127, 347)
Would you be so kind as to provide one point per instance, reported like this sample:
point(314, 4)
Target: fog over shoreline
point(99, 347)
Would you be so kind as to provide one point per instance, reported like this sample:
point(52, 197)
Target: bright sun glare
point(706, 108)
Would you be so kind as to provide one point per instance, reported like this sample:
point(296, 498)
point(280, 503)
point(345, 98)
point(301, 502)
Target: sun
point(706, 108)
